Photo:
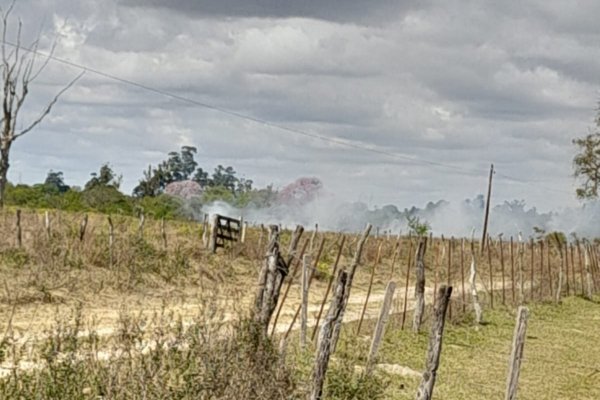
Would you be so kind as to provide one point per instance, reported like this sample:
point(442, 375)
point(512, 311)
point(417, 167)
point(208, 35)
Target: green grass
point(561, 360)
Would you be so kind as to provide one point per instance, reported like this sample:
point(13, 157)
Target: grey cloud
point(354, 11)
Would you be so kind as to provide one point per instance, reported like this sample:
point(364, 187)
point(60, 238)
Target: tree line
point(102, 192)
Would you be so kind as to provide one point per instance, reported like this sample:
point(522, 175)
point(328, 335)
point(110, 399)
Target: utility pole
point(487, 210)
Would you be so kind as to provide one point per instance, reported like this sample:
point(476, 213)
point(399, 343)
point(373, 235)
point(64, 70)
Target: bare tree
point(18, 70)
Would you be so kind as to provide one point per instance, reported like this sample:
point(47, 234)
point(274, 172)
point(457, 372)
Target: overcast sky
point(456, 83)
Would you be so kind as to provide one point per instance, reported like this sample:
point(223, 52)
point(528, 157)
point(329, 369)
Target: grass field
point(151, 319)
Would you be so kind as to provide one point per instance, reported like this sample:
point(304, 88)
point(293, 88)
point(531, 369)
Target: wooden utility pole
point(487, 210)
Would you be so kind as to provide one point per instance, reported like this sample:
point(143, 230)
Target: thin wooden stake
point(329, 285)
point(328, 336)
point(47, 223)
point(364, 310)
point(380, 327)
point(111, 241)
point(420, 285)
point(516, 355)
point(83, 227)
point(163, 233)
point(489, 253)
point(541, 269)
point(304, 301)
point(512, 268)
point(473, 284)
point(462, 274)
point(503, 273)
point(289, 285)
point(406, 284)
point(434, 351)
point(531, 279)
point(19, 232)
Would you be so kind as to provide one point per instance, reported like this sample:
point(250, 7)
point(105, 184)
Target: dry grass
point(152, 323)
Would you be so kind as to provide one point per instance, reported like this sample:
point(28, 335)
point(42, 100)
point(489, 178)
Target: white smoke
point(444, 218)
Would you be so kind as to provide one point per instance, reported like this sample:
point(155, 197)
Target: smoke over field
point(457, 219)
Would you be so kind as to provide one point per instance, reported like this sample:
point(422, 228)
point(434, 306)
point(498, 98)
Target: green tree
point(55, 182)
point(586, 163)
point(225, 177)
point(106, 177)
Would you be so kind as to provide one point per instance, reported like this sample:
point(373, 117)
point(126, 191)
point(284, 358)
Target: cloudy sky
point(436, 90)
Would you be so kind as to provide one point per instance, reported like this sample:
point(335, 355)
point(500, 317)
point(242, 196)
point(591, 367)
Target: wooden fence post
point(273, 272)
point(449, 272)
point(521, 274)
point(214, 230)
point(560, 267)
point(531, 280)
point(589, 291)
point(47, 223)
point(502, 268)
point(163, 232)
point(473, 284)
point(516, 355)
point(243, 235)
point(328, 336)
point(141, 225)
point(541, 269)
point(304, 297)
point(19, 232)
point(406, 284)
point(205, 231)
point(364, 310)
point(296, 262)
point(425, 391)
point(380, 327)
point(312, 274)
point(420, 285)
point(351, 272)
point(83, 227)
point(462, 274)
point(512, 269)
point(111, 241)
point(329, 285)
point(491, 271)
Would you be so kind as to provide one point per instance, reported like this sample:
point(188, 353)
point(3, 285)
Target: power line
point(332, 140)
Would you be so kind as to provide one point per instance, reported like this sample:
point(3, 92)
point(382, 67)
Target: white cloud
point(458, 84)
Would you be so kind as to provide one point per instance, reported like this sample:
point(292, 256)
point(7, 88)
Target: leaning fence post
point(83, 227)
point(243, 234)
point(516, 355)
point(329, 285)
point(589, 291)
point(304, 311)
point(163, 232)
point(328, 336)
point(364, 310)
point(384, 314)
point(19, 232)
point(425, 391)
point(47, 223)
point(111, 241)
point(473, 284)
point(205, 230)
point(214, 222)
point(351, 272)
point(141, 225)
point(420, 285)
